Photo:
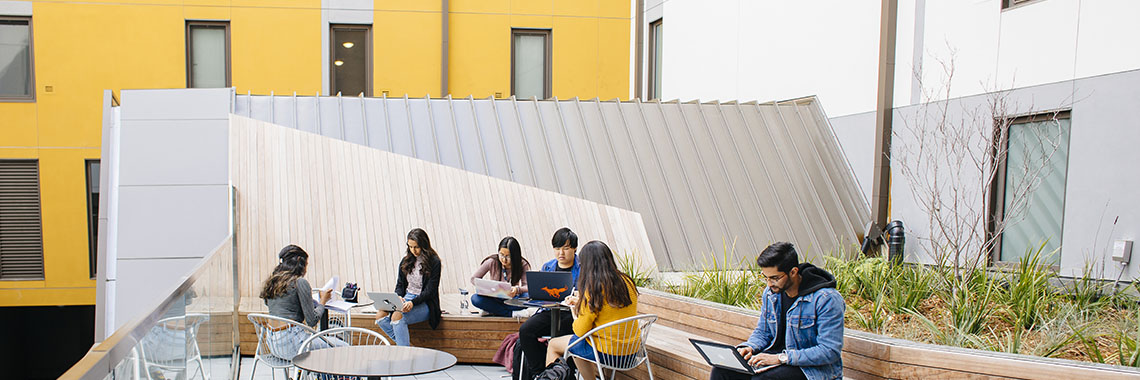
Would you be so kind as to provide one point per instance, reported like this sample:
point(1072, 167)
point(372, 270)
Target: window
point(21, 239)
point(530, 63)
point(351, 55)
point(92, 213)
point(1006, 4)
point(1030, 189)
point(16, 79)
point(207, 54)
point(655, 43)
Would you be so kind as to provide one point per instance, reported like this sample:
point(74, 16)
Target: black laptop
point(547, 289)
point(721, 355)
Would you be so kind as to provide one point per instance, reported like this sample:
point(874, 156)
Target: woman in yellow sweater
point(607, 295)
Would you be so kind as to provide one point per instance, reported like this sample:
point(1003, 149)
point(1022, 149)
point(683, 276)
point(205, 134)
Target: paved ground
point(220, 367)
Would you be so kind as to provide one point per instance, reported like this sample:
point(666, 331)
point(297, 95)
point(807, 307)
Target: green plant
point(1089, 341)
point(877, 315)
point(717, 281)
point(952, 336)
point(842, 270)
point(1087, 291)
point(908, 286)
point(1128, 341)
point(870, 277)
point(1030, 295)
point(968, 300)
point(631, 265)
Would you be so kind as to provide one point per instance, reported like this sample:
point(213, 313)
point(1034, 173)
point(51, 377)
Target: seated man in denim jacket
point(801, 325)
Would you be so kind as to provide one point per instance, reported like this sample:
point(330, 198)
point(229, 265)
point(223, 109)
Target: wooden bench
point(865, 355)
point(471, 338)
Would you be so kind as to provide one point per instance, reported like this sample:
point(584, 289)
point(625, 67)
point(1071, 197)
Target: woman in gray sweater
point(289, 296)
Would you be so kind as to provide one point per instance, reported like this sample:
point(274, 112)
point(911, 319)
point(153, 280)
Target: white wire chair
point(354, 336)
point(271, 345)
point(339, 319)
point(630, 335)
point(172, 345)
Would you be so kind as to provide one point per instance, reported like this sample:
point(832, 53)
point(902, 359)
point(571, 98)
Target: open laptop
point(547, 289)
point(721, 355)
point(492, 288)
point(386, 301)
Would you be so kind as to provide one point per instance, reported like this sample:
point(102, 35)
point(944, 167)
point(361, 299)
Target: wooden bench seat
point(471, 338)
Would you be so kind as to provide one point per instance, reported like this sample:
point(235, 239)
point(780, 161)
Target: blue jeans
point(286, 343)
point(398, 330)
point(492, 305)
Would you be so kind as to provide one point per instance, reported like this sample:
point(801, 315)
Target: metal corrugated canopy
point(700, 174)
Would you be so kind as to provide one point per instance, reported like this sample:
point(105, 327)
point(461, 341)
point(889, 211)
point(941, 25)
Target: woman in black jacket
point(418, 282)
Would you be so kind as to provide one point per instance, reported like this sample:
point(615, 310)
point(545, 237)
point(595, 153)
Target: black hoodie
point(812, 278)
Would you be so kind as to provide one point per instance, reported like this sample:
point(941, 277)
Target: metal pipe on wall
point(444, 10)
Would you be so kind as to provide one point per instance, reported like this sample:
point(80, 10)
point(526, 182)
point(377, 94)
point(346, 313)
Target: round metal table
point(374, 361)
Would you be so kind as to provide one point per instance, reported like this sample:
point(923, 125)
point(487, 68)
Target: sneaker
point(484, 314)
point(524, 313)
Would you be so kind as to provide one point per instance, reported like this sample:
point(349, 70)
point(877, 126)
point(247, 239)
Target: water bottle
point(463, 301)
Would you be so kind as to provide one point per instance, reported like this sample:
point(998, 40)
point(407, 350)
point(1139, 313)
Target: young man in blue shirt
point(565, 244)
point(801, 324)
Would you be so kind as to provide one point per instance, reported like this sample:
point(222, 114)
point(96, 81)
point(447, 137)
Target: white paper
point(332, 283)
point(340, 305)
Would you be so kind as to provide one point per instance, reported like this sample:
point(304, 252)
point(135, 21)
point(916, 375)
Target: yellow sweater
point(615, 340)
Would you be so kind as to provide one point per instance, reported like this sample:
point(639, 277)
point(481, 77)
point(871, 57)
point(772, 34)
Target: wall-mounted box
point(1122, 251)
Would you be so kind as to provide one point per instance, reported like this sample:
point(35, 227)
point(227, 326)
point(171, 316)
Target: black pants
point(538, 325)
point(784, 372)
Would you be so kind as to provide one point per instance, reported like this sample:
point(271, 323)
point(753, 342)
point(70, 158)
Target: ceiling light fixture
point(338, 62)
point(348, 44)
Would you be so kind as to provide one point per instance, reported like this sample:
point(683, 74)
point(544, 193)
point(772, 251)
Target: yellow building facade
point(82, 48)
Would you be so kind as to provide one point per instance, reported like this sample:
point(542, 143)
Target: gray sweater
point(297, 304)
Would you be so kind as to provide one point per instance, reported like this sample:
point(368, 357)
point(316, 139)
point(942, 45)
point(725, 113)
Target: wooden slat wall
point(351, 208)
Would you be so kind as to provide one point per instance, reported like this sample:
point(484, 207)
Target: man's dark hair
point(564, 235)
point(781, 255)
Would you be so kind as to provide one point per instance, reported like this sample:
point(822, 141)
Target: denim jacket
point(814, 339)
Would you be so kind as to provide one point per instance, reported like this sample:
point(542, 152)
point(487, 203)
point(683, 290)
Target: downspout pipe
point(444, 10)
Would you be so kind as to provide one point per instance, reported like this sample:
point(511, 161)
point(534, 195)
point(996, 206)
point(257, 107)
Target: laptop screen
point(720, 355)
point(549, 286)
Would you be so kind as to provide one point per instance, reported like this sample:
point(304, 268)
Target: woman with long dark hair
point(604, 294)
point(417, 280)
point(507, 266)
point(289, 295)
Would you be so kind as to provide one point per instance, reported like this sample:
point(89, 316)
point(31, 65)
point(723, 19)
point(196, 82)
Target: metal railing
point(190, 334)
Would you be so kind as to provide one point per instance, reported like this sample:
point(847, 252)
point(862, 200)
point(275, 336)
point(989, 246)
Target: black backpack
point(559, 370)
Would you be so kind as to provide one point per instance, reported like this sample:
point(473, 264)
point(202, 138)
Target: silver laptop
point(386, 301)
point(492, 288)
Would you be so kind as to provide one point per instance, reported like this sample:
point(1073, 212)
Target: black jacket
point(430, 292)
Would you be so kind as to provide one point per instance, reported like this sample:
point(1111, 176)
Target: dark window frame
point(92, 217)
point(1013, 4)
point(31, 97)
point(995, 207)
point(548, 65)
point(367, 28)
point(39, 218)
point(190, 24)
point(652, 90)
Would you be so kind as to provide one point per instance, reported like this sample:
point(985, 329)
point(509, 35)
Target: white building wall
point(1055, 53)
point(770, 50)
